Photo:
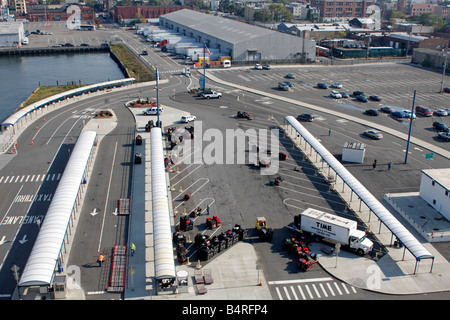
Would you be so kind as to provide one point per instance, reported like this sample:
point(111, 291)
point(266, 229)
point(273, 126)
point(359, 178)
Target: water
point(20, 75)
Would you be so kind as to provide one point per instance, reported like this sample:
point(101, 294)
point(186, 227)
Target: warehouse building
point(11, 34)
point(240, 41)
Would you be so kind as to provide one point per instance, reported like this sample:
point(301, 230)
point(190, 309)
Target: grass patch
point(135, 68)
point(48, 91)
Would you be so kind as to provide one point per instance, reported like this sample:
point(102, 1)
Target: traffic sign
point(429, 155)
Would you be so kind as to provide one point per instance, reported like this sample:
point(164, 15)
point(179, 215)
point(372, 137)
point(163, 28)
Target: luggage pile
point(209, 247)
point(300, 250)
point(212, 223)
point(180, 242)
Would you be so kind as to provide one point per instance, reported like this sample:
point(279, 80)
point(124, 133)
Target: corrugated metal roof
point(226, 29)
point(42, 261)
point(403, 234)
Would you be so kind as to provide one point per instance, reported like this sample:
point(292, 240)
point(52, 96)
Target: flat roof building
point(11, 34)
point(240, 41)
point(435, 189)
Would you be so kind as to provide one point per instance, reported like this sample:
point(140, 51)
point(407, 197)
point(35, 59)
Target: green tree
point(430, 19)
point(263, 15)
point(280, 13)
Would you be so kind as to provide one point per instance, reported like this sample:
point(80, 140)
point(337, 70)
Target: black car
point(371, 112)
point(361, 98)
point(375, 98)
point(387, 109)
point(306, 117)
point(68, 45)
point(358, 93)
point(322, 85)
point(84, 45)
point(439, 126)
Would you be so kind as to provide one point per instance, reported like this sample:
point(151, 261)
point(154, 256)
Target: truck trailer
point(335, 229)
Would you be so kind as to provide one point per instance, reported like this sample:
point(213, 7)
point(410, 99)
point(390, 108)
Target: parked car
point(374, 134)
point(444, 135)
point(306, 117)
point(398, 114)
point(387, 109)
point(283, 86)
point(424, 111)
point(447, 90)
point(361, 98)
point(288, 83)
point(344, 94)
point(336, 85)
point(290, 76)
point(439, 126)
point(57, 45)
point(68, 44)
point(322, 85)
point(266, 67)
point(258, 66)
point(409, 115)
point(144, 52)
point(334, 94)
point(358, 93)
point(188, 118)
point(371, 112)
point(84, 45)
point(375, 98)
point(441, 112)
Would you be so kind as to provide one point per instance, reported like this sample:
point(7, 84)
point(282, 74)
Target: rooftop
point(441, 176)
point(226, 29)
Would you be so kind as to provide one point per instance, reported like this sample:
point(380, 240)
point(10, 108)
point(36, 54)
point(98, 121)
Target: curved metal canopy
point(403, 234)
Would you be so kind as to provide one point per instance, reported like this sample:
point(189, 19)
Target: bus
point(86, 27)
point(322, 51)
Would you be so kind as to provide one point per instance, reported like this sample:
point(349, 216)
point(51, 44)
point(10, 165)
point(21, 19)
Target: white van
point(226, 63)
point(153, 110)
point(188, 118)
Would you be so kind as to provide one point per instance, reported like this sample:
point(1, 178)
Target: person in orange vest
point(100, 260)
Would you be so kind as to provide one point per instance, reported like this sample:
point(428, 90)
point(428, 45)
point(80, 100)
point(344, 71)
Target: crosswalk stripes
point(30, 178)
point(312, 289)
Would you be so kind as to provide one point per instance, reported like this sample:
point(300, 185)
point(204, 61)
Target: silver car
point(374, 134)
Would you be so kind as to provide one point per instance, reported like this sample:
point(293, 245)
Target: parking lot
point(394, 83)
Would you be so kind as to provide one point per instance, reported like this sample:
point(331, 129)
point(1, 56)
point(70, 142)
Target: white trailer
point(332, 228)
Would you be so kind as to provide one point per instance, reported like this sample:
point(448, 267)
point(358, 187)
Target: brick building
point(125, 13)
point(343, 8)
point(42, 12)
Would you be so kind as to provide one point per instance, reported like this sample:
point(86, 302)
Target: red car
point(447, 90)
point(375, 98)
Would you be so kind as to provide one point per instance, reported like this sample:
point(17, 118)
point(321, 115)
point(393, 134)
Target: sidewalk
point(235, 277)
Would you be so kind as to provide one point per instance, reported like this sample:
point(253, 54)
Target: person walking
point(100, 260)
point(329, 132)
point(389, 165)
point(132, 248)
point(374, 164)
point(207, 209)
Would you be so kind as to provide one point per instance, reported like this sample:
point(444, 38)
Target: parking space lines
point(30, 178)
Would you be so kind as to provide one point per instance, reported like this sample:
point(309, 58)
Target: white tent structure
point(50, 243)
point(162, 231)
point(385, 217)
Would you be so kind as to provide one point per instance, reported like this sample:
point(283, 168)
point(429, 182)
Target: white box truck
point(332, 228)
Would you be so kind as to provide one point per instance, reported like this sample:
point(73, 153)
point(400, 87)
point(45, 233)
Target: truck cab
point(359, 243)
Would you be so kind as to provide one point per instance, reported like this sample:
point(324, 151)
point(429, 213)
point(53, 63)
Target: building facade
point(125, 13)
point(329, 9)
point(42, 12)
point(11, 34)
point(435, 190)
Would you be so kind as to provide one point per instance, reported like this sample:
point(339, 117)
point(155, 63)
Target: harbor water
point(20, 75)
